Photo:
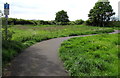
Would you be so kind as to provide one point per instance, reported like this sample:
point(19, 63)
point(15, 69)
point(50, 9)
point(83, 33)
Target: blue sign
point(6, 6)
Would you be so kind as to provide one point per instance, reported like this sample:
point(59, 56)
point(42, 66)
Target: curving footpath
point(41, 59)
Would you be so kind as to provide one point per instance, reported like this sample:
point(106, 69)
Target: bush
point(114, 24)
point(71, 23)
point(62, 23)
point(88, 22)
point(52, 22)
point(78, 22)
point(15, 21)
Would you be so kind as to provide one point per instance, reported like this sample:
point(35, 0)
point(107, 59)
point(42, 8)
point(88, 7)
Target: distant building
point(119, 10)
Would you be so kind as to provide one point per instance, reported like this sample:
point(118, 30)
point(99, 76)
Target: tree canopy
point(61, 16)
point(101, 13)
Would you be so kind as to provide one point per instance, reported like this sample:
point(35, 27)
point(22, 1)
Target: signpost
point(6, 13)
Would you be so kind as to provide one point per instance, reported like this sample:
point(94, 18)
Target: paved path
point(40, 59)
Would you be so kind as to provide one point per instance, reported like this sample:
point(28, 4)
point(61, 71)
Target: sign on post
point(6, 13)
point(6, 9)
point(6, 6)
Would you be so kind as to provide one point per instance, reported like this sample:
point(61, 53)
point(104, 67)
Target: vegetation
point(62, 17)
point(15, 21)
point(101, 13)
point(24, 36)
point(10, 49)
point(114, 24)
point(91, 56)
point(76, 22)
point(23, 33)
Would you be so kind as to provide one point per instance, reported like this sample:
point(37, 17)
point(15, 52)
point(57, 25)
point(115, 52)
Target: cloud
point(46, 9)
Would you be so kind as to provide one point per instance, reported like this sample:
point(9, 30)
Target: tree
point(61, 16)
point(101, 13)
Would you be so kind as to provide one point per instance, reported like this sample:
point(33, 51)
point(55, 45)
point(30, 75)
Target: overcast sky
point(46, 9)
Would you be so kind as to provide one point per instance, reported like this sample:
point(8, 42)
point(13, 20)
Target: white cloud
point(46, 9)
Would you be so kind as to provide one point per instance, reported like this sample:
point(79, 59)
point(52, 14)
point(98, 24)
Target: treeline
point(100, 15)
point(15, 21)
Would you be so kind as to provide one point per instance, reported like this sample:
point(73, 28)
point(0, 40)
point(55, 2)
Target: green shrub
point(88, 22)
point(71, 23)
point(114, 24)
point(78, 22)
point(62, 23)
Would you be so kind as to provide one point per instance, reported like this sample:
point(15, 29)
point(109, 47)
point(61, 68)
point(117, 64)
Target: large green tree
point(101, 13)
point(61, 16)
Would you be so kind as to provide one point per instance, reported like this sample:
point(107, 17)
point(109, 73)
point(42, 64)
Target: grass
point(91, 56)
point(26, 35)
point(10, 49)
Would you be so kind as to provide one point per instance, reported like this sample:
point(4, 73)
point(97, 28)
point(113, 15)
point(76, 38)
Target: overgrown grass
point(9, 50)
point(91, 56)
point(27, 35)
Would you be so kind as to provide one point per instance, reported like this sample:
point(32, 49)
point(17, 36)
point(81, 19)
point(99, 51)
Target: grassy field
point(91, 56)
point(38, 33)
point(26, 35)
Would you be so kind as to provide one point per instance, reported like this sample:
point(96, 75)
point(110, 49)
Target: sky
point(46, 9)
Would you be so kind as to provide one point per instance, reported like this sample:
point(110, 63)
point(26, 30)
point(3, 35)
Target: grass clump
point(10, 49)
point(91, 56)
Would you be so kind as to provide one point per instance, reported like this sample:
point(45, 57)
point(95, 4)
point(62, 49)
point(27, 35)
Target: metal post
point(6, 27)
